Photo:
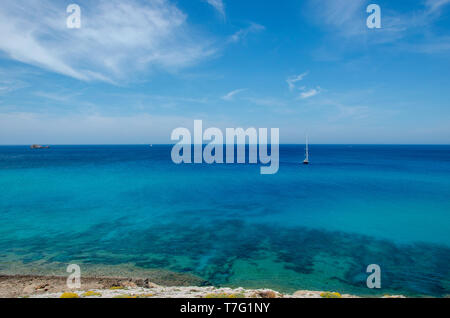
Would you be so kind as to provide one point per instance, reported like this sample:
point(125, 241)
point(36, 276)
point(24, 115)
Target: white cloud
point(230, 95)
point(306, 93)
point(347, 18)
point(57, 96)
point(10, 85)
point(242, 33)
point(309, 93)
point(294, 79)
point(434, 5)
point(116, 39)
point(218, 5)
point(7, 87)
point(343, 15)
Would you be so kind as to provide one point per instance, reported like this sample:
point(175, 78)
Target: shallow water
point(307, 227)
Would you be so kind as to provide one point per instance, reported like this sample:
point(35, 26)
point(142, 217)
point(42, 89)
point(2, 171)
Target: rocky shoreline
point(21, 286)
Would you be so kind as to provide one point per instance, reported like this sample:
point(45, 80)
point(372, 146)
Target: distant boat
point(306, 161)
point(39, 147)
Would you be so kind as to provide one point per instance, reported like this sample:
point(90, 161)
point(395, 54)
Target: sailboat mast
point(306, 161)
point(307, 152)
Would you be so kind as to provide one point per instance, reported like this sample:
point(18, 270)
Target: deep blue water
point(307, 227)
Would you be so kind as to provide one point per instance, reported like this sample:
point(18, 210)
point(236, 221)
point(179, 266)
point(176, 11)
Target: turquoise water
point(307, 227)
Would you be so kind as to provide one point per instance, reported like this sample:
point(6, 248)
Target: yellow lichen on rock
point(224, 295)
point(145, 295)
point(69, 295)
point(330, 295)
point(91, 294)
point(125, 296)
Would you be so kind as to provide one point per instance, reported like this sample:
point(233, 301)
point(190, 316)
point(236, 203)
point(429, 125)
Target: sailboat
point(306, 161)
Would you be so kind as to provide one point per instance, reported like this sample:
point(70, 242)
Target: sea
point(129, 210)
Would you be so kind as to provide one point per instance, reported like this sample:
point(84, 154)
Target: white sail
point(307, 150)
point(306, 161)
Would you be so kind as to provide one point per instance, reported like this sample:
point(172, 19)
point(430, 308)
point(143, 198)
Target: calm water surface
point(307, 227)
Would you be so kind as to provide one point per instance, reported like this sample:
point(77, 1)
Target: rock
point(305, 294)
point(129, 284)
point(29, 289)
point(145, 283)
point(265, 294)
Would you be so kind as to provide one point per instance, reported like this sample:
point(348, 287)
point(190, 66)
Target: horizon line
point(281, 144)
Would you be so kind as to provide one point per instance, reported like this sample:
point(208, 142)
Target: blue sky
point(138, 69)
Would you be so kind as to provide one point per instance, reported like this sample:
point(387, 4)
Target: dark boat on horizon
point(39, 147)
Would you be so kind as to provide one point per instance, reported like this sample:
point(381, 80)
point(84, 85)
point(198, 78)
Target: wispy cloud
point(342, 15)
point(351, 112)
point(242, 33)
point(230, 95)
point(440, 45)
point(340, 107)
point(347, 20)
point(218, 5)
point(57, 96)
point(266, 101)
point(8, 86)
point(434, 5)
point(306, 93)
point(309, 93)
point(5, 88)
point(116, 39)
point(10, 80)
point(294, 79)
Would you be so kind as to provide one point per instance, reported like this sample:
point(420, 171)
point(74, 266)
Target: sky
point(138, 69)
